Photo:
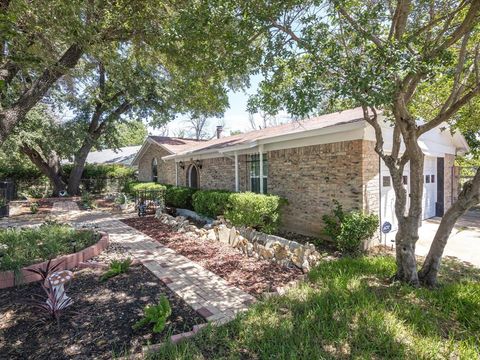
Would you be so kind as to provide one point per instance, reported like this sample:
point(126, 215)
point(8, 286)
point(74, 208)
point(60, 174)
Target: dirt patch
point(252, 275)
point(99, 323)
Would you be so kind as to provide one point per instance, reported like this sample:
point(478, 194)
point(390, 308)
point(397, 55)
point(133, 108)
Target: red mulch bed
point(252, 275)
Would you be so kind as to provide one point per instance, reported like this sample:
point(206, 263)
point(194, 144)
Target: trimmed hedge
point(132, 187)
point(261, 212)
point(211, 203)
point(179, 196)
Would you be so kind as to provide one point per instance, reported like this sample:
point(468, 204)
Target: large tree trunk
point(49, 166)
point(11, 116)
point(78, 166)
point(469, 197)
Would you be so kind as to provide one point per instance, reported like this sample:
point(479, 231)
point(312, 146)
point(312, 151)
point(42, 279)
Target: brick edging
point(70, 261)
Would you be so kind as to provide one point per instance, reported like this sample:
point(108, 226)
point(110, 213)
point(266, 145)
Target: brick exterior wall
point(312, 177)
point(165, 169)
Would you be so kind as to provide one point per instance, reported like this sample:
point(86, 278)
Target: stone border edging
point(10, 279)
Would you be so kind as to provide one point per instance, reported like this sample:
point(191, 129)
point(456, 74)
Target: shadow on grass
point(349, 310)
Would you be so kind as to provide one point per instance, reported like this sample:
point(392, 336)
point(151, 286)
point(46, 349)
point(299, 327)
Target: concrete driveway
point(464, 242)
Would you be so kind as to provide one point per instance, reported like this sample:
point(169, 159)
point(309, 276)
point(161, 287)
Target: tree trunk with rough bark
point(469, 197)
point(12, 115)
point(49, 166)
point(78, 166)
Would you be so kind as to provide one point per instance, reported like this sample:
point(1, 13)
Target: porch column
point(261, 168)
point(176, 173)
point(237, 184)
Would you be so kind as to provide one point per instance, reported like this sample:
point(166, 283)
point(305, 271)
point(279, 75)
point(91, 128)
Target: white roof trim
point(146, 144)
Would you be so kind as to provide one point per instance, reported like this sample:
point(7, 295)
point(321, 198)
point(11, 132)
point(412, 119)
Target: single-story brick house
point(310, 163)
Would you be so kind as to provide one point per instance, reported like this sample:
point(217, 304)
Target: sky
point(235, 118)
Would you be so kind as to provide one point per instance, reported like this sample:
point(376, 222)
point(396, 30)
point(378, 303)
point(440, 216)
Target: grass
point(23, 247)
point(349, 310)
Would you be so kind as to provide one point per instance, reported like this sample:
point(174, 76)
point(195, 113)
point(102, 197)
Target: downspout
point(380, 199)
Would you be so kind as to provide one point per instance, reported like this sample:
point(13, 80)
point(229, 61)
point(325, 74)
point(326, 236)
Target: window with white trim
point(254, 167)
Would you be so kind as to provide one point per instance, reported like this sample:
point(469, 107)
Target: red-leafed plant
point(53, 305)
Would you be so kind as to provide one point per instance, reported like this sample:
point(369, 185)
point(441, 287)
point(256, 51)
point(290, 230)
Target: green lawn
point(349, 310)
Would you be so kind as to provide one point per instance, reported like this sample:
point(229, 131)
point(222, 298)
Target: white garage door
point(429, 191)
point(429, 187)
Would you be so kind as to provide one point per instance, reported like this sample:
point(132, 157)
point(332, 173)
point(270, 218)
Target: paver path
point(207, 293)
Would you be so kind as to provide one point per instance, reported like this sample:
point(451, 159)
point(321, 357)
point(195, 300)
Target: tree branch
point(358, 28)
point(447, 114)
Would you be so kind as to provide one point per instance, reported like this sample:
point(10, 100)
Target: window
point(427, 179)
point(432, 178)
point(254, 165)
point(154, 170)
point(405, 180)
point(386, 181)
point(192, 177)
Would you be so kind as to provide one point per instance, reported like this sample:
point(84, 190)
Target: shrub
point(116, 267)
point(211, 203)
point(133, 187)
point(34, 207)
point(179, 196)
point(156, 315)
point(88, 201)
point(349, 230)
point(261, 212)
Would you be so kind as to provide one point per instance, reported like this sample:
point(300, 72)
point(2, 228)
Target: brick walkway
point(207, 293)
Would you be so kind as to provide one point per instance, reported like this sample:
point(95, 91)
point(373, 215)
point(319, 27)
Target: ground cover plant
point(97, 325)
point(349, 310)
point(116, 268)
point(27, 246)
point(155, 314)
point(252, 275)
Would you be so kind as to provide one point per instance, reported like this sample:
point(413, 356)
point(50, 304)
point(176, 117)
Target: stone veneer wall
point(165, 169)
point(311, 177)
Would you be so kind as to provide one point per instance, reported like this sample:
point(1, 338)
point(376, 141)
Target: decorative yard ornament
point(56, 281)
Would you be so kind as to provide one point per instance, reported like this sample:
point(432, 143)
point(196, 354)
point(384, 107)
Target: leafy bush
point(102, 171)
point(211, 203)
point(23, 247)
point(156, 315)
point(261, 212)
point(349, 230)
point(179, 196)
point(135, 186)
point(87, 200)
point(116, 267)
point(34, 207)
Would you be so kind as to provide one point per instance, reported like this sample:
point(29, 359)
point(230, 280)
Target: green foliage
point(132, 187)
point(129, 133)
point(156, 315)
point(115, 268)
point(259, 211)
point(179, 196)
point(103, 171)
point(28, 246)
point(349, 230)
point(211, 203)
point(34, 207)
point(88, 201)
point(350, 305)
